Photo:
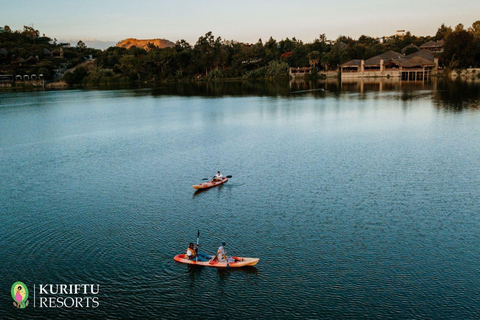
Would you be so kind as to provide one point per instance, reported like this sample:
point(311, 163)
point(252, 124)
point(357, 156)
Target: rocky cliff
point(130, 42)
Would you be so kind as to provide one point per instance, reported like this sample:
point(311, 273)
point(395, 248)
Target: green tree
point(335, 57)
point(299, 56)
point(204, 53)
point(128, 66)
point(181, 45)
point(31, 33)
point(410, 50)
point(271, 50)
point(81, 45)
point(259, 50)
point(459, 27)
point(286, 45)
point(459, 49)
point(443, 32)
point(367, 41)
point(475, 29)
point(314, 58)
point(76, 77)
point(168, 61)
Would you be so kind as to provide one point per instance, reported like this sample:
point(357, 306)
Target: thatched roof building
point(417, 62)
point(354, 62)
point(426, 54)
point(435, 46)
point(387, 56)
point(415, 66)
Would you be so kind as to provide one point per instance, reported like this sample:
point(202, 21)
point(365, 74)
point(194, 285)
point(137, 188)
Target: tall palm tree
point(314, 58)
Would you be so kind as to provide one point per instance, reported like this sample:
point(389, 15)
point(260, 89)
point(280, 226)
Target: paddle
point(210, 178)
point(196, 249)
point(228, 266)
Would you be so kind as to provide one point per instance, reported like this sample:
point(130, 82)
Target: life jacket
point(192, 253)
point(221, 254)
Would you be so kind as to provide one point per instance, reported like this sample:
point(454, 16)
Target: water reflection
point(448, 95)
point(196, 270)
point(200, 191)
point(383, 84)
point(230, 88)
point(245, 270)
point(196, 276)
point(457, 95)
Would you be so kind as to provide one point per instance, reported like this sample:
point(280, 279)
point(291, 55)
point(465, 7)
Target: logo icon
point(20, 295)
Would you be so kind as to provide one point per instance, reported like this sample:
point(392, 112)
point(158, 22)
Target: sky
point(103, 23)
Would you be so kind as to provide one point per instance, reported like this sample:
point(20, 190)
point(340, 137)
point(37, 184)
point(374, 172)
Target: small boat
point(210, 184)
point(239, 262)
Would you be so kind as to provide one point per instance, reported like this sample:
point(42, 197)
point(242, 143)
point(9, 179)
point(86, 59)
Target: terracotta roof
point(417, 62)
point(398, 62)
point(352, 63)
point(389, 55)
point(433, 44)
point(425, 54)
point(422, 58)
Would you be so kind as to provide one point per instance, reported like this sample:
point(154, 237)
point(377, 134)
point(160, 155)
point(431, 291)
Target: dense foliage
point(213, 58)
point(26, 52)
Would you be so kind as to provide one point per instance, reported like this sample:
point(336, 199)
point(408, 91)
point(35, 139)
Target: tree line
point(213, 58)
point(27, 52)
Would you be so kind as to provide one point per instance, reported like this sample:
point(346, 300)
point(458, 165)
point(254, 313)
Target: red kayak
point(239, 262)
point(210, 184)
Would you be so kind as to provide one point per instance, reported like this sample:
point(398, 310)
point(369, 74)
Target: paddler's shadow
point(194, 271)
point(224, 272)
point(200, 191)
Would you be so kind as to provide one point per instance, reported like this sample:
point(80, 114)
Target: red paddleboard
point(210, 184)
point(239, 262)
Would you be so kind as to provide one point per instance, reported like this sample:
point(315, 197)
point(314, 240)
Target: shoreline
point(463, 75)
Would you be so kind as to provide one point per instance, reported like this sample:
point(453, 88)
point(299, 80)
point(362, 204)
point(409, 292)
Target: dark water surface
point(361, 200)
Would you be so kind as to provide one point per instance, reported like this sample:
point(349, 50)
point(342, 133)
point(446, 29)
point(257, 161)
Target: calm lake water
point(360, 199)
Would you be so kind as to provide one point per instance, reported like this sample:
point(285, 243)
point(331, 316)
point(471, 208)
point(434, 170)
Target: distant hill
point(131, 42)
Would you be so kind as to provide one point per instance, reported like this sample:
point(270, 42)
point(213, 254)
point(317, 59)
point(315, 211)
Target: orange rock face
point(131, 42)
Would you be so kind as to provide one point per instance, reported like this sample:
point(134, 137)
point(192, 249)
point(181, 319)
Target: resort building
point(300, 71)
point(391, 64)
point(434, 46)
point(6, 80)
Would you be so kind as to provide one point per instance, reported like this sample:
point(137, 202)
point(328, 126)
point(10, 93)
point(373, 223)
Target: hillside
point(131, 42)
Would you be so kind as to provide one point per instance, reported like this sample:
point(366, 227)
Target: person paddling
point(217, 177)
point(193, 254)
